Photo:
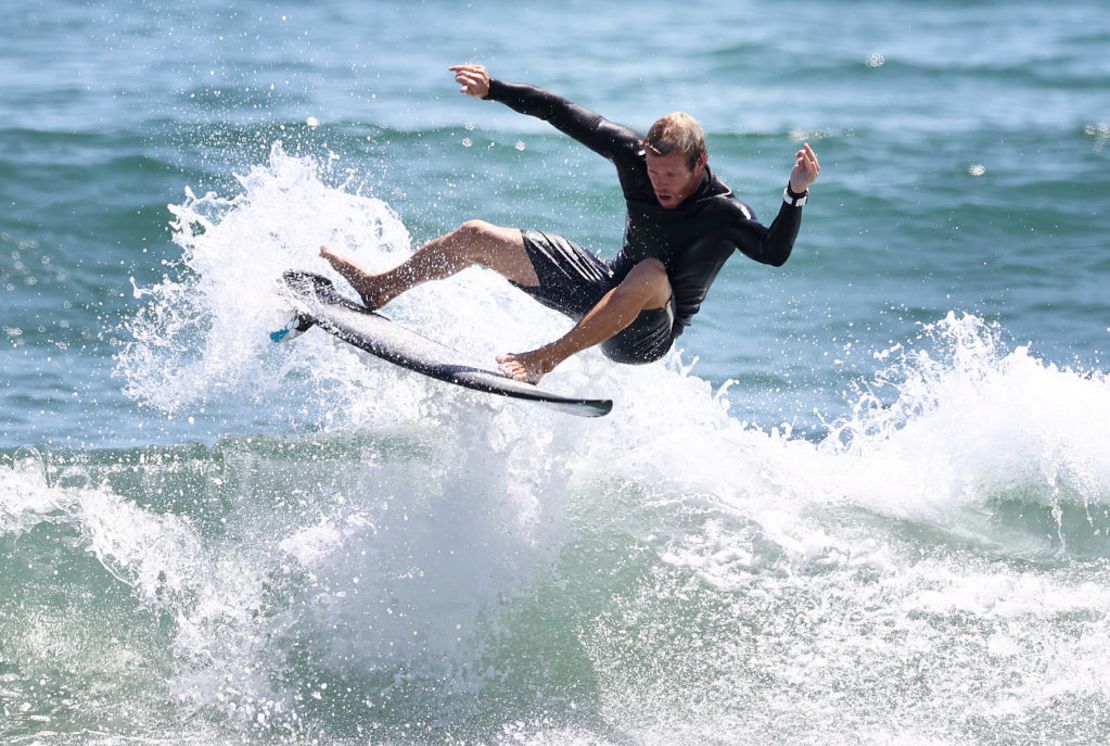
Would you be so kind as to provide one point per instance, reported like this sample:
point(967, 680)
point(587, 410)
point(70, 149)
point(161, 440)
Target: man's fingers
point(472, 78)
point(806, 168)
point(811, 158)
point(476, 72)
point(807, 159)
point(467, 79)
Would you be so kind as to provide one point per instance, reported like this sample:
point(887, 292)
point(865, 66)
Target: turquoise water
point(867, 500)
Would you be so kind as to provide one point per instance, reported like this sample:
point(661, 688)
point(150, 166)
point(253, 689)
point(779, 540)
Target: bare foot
point(525, 366)
point(330, 255)
point(362, 281)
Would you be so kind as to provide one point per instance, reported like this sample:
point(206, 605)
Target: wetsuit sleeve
point(597, 133)
point(767, 245)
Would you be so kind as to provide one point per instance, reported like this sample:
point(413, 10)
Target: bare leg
point(646, 287)
point(474, 242)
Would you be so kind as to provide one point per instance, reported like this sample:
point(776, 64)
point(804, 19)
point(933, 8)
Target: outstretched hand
point(806, 168)
point(473, 79)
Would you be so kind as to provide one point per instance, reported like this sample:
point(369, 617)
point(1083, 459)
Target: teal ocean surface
point(866, 500)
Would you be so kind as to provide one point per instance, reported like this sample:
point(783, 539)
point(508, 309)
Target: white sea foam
point(963, 421)
point(405, 562)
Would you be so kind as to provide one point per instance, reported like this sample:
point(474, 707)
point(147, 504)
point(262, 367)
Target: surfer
point(683, 223)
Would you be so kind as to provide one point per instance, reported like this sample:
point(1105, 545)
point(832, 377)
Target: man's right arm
point(587, 127)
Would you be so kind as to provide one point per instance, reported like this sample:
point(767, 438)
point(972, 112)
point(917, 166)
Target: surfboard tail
point(295, 327)
point(306, 283)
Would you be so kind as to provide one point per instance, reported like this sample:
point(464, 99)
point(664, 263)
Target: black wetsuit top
point(692, 240)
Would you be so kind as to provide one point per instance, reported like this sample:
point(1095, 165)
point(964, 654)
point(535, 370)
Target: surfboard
point(318, 303)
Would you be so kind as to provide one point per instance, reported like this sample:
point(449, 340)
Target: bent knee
point(651, 270)
point(651, 273)
point(476, 229)
point(480, 235)
point(648, 281)
point(485, 243)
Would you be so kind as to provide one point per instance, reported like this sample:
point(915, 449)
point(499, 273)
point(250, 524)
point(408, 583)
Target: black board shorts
point(572, 281)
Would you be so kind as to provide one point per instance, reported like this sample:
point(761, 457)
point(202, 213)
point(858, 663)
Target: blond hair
point(676, 132)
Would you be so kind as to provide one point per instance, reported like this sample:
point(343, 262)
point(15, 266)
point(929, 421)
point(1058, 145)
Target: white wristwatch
point(798, 201)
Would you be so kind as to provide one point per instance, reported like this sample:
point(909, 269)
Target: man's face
point(672, 178)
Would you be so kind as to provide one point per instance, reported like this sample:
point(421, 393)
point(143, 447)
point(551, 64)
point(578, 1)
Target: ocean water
point(866, 500)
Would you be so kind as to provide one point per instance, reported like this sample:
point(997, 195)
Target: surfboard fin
point(295, 327)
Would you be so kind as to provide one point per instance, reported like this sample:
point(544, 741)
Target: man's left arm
point(773, 245)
